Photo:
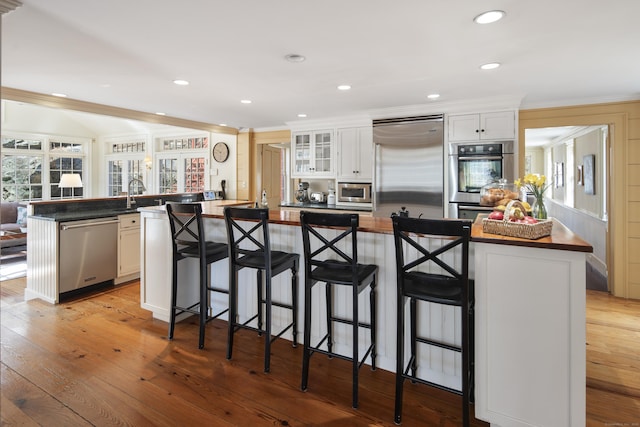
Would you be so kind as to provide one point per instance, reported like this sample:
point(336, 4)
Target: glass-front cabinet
point(312, 154)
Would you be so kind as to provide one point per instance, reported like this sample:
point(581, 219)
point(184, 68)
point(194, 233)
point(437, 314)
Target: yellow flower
point(533, 183)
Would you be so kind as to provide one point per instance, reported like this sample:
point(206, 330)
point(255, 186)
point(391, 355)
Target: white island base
point(530, 346)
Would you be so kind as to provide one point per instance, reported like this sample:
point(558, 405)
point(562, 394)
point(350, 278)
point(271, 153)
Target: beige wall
point(590, 144)
point(624, 186)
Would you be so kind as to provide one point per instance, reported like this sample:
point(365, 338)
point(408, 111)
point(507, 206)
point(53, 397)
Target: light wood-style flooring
point(102, 360)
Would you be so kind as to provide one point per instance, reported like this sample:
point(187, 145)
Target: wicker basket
point(516, 229)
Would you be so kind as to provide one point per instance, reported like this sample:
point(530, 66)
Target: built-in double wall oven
point(471, 167)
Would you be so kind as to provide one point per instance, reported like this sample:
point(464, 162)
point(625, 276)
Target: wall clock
point(220, 152)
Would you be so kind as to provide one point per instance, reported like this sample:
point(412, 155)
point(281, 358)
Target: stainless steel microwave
point(354, 192)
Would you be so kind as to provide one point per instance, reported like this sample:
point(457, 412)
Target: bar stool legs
point(335, 265)
point(249, 247)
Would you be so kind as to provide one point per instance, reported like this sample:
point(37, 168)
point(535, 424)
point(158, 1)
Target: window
point(182, 164)
point(21, 177)
point(168, 176)
point(181, 173)
point(121, 172)
point(32, 166)
point(59, 166)
point(124, 164)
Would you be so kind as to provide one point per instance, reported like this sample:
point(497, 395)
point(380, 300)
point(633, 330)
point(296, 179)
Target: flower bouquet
point(537, 185)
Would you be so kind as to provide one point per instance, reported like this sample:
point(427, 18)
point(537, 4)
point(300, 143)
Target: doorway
point(578, 199)
point(272, 175)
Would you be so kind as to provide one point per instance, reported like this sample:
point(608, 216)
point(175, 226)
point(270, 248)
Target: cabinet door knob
point(477, 131)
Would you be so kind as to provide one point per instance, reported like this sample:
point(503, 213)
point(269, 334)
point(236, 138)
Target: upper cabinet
point(355, 153)
point(482, 127)
point(312, 153)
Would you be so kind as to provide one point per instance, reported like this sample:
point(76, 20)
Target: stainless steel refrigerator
point(409, 166)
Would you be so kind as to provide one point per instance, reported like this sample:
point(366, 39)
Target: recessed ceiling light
point(489, 17)
point(246, 101)
point(223, 124)
point(433, 96)
point(181, 82)
point(490, 66)
point(302, 115)
point(344, 87)
point(159, 113)
point(59, 95)
point(294, 57)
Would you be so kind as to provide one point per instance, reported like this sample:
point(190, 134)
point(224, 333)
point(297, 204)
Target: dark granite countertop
point(81, 209)
point(83, 214)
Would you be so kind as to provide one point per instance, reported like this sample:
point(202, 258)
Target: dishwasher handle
point(89, 224)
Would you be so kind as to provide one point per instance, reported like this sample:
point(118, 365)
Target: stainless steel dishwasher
point(88, 252)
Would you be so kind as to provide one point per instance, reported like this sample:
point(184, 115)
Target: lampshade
point(70, 180)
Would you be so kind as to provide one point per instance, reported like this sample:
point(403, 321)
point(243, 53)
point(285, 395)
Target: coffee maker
point(302, 194)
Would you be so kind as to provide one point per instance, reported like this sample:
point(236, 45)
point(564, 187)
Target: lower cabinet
point(128, 248)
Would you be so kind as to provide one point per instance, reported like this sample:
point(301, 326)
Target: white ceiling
point(126, 54)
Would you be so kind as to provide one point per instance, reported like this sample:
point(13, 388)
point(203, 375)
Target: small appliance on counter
point(318, 197)
point(331, 198)
point(302, 194)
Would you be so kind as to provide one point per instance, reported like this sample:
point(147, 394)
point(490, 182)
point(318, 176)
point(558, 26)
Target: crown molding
point(7, 6)
point(106, 110)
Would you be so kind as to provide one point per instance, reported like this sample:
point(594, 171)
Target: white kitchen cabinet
point(312, 153)
point(355, 153)
point(128, 247)
point(482, 127)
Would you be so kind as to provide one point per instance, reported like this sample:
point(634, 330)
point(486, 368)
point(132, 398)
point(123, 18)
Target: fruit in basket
point(527, 206)
point(529, 220)
point(499, 215)
point(516, 213)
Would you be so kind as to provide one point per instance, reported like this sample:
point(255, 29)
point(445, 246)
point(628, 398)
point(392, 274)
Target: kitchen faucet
point(130, 199)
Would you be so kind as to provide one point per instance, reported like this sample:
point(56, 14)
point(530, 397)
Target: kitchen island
point(529, 316)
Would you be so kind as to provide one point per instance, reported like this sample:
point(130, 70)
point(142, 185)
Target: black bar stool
point(250, 247)
point(345, 271)
point(443, 258)
point(188, 240)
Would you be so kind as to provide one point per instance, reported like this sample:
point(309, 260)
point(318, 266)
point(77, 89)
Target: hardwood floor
point(102, 360)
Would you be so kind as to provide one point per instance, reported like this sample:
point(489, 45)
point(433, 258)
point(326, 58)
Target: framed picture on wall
point(589, 173)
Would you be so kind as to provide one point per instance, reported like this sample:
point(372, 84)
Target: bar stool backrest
point(348, 223)
point(187, 230)
point(248, 240)
point(444, 236)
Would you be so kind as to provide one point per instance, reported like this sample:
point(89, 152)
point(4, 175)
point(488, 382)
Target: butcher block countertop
point(561, 237)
